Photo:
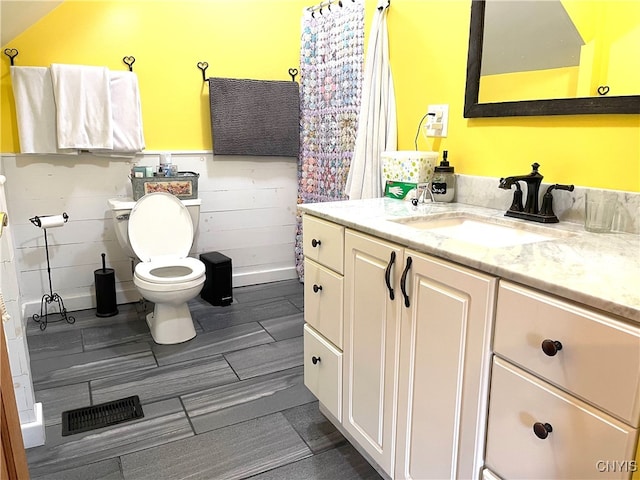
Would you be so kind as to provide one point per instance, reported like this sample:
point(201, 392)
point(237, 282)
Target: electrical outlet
point(437, 121)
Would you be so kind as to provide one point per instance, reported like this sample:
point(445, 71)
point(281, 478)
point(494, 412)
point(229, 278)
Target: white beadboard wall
point(14, 325)
point(248, 213)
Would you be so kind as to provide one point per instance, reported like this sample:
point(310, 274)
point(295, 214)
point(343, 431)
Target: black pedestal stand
point(51, 297)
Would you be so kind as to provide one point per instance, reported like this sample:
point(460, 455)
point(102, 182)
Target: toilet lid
point(160, 226)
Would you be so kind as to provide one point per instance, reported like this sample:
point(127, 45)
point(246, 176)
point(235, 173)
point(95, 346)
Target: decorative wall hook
point(11, 53)
point(203, 66)
point(130, 60)
point(293, 72)
point(603, 90)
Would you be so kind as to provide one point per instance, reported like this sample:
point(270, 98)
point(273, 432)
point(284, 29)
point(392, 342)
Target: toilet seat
point(161, 235)
point(170, 270)
point(160, 227)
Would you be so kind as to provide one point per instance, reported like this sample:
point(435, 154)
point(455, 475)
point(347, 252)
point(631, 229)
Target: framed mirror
point(475, 106)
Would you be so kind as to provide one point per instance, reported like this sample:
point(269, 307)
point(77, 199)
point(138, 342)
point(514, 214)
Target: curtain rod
point(324, 4)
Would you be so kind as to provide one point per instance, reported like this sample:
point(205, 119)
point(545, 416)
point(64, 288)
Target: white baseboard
point(131, 294)
point(264, 276)
point(33, 432)
point(80, 302)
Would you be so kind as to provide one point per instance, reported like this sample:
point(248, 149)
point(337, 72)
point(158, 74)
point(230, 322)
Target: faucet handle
point(557, 186)
point(516, 204)
point(547, 199)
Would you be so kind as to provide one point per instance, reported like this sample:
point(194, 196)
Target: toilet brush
point(105, 279)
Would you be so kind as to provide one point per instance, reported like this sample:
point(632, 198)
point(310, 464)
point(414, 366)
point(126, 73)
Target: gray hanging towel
point(254, 117)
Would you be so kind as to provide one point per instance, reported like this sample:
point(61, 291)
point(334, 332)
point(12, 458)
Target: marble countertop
point(600, 270)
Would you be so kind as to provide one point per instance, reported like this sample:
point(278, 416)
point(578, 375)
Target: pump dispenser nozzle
point(444, 162)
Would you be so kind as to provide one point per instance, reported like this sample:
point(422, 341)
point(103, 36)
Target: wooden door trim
point(14, 458)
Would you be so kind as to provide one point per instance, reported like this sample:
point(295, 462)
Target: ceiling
point(521, 36)
point(17, 15)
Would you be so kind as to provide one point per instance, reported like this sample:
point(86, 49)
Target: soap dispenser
point(443, 184)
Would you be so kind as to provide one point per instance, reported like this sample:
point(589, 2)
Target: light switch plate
point(437, 123)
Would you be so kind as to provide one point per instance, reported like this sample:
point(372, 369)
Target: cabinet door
point(444, 370)
point(371, 344)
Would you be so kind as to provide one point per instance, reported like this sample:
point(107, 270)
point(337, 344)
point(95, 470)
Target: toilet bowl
point(160, 232)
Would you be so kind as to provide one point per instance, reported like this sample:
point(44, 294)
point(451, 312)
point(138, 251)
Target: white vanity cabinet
point(323, 245)
point(415, 364)
point(447, 372)
point(565, 390)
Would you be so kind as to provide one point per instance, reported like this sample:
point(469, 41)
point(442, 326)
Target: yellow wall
point(167, 39)
point(610, 31)
point(532, 85)
point(260, 39)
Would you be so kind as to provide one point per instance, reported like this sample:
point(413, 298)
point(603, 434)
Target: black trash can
point(218, 284)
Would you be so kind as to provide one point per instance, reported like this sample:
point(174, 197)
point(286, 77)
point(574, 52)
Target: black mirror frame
point(561, 106)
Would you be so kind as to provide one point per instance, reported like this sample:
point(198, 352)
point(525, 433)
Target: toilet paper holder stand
point(51, 297)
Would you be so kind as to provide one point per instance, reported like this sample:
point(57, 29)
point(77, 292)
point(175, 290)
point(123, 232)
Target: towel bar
point(204, 65)
point(13, 53)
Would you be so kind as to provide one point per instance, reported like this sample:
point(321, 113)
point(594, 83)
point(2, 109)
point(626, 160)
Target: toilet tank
point(121, 208)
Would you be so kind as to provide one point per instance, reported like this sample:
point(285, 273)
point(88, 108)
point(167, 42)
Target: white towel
point(126, 108)
point(127, 112)
point(35, 110)
point(83, 101)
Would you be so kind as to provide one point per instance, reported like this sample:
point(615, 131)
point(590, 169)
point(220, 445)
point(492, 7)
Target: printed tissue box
point(403, 170)
point(408, 166)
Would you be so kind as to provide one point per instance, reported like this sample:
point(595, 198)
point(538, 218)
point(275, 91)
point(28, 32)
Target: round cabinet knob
point(315, 360)
point(551, 347)
point(315, 243)
point(317, 288)
point(542, 430)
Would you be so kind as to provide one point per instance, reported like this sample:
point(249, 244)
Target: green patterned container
point(408, 166)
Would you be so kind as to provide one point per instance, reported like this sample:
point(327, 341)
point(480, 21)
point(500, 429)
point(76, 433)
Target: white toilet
point(160, 231)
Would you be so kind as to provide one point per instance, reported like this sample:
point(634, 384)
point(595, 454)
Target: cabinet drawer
point(581, 442)
point(599, 358)
point(323, 242)
point(323, 378)
point(323, 299)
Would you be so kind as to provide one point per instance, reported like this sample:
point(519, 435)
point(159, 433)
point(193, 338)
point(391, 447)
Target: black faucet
point(530, 210)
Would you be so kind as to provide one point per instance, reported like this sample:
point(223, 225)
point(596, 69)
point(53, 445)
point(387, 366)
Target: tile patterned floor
point(229, 404)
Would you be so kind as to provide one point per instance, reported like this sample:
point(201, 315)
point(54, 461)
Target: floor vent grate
point(102, 415)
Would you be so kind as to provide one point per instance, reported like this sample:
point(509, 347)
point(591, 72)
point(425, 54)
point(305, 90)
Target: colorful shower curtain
point(331, 72)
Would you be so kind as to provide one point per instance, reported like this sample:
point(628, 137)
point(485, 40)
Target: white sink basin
point(476, 230)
